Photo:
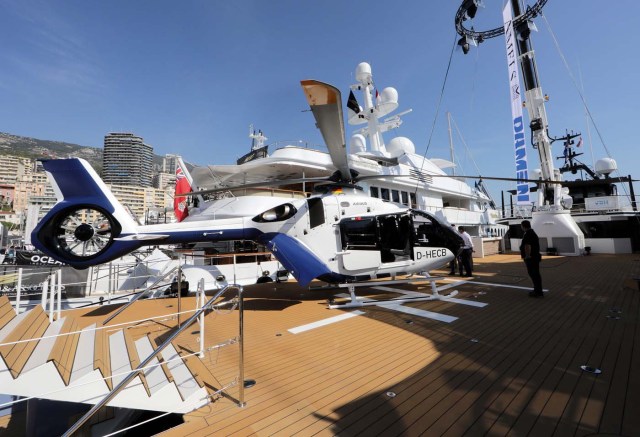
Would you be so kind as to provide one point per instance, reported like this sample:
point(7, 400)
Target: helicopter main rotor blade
point(326, 104)
point(274, 183)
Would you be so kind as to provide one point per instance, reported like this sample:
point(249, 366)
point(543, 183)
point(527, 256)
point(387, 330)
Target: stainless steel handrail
point(147, 360)
point(139, 295)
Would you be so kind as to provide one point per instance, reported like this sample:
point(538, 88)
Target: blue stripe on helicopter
point(76, 182)
point(303, 264)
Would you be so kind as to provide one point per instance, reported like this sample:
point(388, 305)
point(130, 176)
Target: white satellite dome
point(388, 101)
point(363, 71)
point(358, 143)
point(536, 174)
point(399, 146)
point(606, 166)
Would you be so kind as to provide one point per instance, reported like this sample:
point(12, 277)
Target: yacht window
point(414, 204)
point(396, 196)
point(384, 193)
point(316, 212)
point(405, 198)
point(374, 192)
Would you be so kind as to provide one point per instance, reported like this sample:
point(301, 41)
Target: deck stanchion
point(235, 281)
point(52, 298)
point(179, 287)
point(45, 293)
point(241, 343)
point(110, 276)
point(59, 308)
point(18, 290)
point(200, 304)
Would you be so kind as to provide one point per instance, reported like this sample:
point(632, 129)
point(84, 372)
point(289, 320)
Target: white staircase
point(73, 367)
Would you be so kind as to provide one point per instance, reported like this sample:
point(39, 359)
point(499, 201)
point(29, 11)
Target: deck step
point(64, 350)
point(83, 364)
point(156, 340)
point(120, 363)
point(102, 356)
point(32, 326)
point(156, 378)
point(11, 325)
point(43, 349)
point(186, 383)
point(6, 311)
point(134, 359)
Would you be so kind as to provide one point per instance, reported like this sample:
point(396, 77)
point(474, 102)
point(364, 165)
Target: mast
point(453, 159)
point(365, 80)
point(535, 101)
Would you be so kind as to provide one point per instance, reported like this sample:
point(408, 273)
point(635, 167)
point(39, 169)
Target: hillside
point(35, 148)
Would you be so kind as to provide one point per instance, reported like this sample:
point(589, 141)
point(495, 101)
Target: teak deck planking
point(510, 368)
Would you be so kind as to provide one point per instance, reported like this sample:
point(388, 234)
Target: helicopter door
point(360, 243)
point(395, 235)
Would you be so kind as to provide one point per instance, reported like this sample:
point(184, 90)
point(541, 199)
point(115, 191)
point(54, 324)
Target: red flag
point(579, 142)
point(180, 202)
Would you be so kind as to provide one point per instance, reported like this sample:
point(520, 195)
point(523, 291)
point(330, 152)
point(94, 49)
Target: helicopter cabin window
point(316, 212)
point(359, 233)
point(395, 196)
point(374, 192)
point(384, 193)
point(405, 198)
point(430, 233)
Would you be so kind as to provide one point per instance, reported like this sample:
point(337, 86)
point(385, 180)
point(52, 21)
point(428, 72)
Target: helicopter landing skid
point(355, 303)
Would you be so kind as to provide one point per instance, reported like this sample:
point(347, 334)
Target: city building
point(127, 160)
point(170, 163)
point(13, 168)
point(164, 181)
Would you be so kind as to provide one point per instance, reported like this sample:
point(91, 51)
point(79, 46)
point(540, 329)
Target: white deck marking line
point(472, 303)
point(416, 294)
point(325, 322)
point(502, 285)
point(420, 313)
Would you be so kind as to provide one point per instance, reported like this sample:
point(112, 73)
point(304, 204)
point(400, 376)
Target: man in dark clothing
point(456, 259)
point(530, 253)
point(467, 252)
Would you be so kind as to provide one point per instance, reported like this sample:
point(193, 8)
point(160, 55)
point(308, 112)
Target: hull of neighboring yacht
point(607, 232)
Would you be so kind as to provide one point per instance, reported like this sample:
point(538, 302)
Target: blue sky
point(191, 76)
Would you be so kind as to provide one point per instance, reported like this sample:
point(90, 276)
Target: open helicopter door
point(360, 243)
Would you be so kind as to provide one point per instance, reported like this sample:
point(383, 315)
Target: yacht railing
point(140, 294)
point(592, 205)
point(141, 367)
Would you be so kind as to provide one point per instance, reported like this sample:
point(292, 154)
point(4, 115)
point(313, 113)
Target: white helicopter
point(340, 235)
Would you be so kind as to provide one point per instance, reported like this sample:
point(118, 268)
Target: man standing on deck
point(456, 259)
point(467, 252)
point(530, 253)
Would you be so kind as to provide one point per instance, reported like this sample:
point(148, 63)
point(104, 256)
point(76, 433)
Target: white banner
point(519, 142)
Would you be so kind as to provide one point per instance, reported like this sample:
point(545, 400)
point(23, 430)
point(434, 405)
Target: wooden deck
point(511, 367)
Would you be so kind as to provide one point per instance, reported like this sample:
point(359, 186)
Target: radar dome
point(363, 71)
point(535, 174)
point(358, 143)
point(388, 101)
point(399, 146)
point(605, 166)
